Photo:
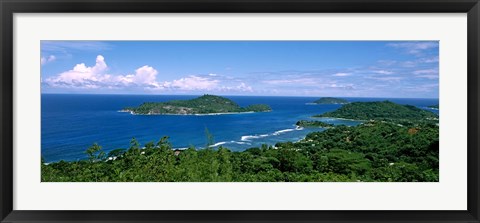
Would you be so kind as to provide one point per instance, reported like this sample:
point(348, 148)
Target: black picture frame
point(9, 7)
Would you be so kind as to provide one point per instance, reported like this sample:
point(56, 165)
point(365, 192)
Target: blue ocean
point(71, 123)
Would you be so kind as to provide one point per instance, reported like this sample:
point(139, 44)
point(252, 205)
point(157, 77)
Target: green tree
point(95, 153)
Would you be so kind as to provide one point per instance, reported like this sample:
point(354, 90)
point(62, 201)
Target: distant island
point(433, 107)
point(206, 104)
point(310, 123)
point(328, 100)
point(382, 111)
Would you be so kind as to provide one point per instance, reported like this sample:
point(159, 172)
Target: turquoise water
point(71, 123)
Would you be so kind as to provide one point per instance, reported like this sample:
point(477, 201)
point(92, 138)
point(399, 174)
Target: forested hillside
point(205, 104)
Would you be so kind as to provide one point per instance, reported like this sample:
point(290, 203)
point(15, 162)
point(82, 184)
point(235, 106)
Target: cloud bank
point(146, 77)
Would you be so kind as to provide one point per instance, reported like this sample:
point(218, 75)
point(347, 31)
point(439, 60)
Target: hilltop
point(328, 100)
point(382, 111)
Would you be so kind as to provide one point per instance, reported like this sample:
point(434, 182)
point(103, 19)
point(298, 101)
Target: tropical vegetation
point(206, 104)
point(330, 100)
point(313, 123)
point(383, 111)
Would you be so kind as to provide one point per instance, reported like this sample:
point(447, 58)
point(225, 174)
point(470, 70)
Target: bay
point(70, 123)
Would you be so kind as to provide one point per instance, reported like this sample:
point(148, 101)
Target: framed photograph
point(234, 111)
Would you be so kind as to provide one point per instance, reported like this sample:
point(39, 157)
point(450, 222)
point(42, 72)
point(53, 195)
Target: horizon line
point(235, 95)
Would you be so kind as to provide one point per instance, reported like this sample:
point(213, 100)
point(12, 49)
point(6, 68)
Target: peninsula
point(382, 111)
point(309, 123)
point(328, 100)
point(206, 104)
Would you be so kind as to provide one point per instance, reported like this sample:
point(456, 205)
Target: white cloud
point(408, 64)
point(193, 82)
point(428, 76)
point(415, 48)
point(85, 77)
point(145, 75)
point(429, 60)
point(302, 81)
point(208, 83)
point(82, 76)
point(389, 78)
point(45, 60)
point(342, 74)
point(242, 87)
point(426, 71)
point(383, 72)
point(342, 86)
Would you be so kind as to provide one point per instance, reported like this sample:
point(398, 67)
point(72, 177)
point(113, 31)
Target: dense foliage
point(373, 151)
point(202, 105)
point(384, 110)
point(311, 123)
point(328, 100)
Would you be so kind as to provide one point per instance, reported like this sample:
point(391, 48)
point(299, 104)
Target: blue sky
point(397, 69)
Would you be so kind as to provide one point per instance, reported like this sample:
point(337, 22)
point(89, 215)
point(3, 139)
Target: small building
point(176, 152)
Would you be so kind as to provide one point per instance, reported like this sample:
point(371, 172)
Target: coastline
point(312, 103)
point(151, 130)
point(346, 119)
point(219, 113)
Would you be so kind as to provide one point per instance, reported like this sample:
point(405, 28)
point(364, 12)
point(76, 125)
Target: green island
point(375, 150)
point(383, 111)
point(433, 106)
point(206, 104)
point(311, 123)
point(330, 100)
